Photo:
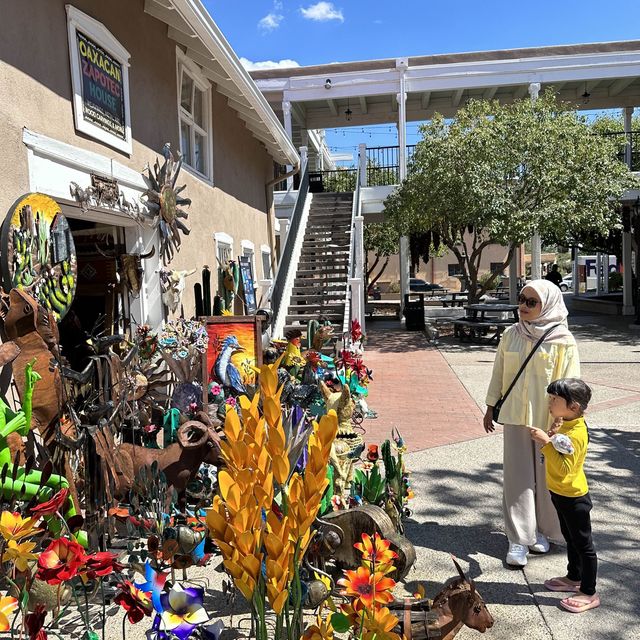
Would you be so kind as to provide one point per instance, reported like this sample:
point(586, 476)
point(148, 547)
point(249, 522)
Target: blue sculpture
point(225, 370)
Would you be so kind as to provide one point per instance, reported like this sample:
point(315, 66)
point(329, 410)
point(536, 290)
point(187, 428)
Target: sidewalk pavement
point(457, 508)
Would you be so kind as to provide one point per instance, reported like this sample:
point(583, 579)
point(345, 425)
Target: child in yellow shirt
point(564, 449)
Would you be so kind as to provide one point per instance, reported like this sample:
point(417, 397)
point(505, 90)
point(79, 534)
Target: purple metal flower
point(182, 613)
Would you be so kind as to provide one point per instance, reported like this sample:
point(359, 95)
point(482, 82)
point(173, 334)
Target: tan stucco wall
point(35, 92)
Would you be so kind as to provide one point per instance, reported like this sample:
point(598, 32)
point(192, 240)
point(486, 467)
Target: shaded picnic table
point(485, 322)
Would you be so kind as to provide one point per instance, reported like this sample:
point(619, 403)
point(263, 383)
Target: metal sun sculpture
point(164, 202)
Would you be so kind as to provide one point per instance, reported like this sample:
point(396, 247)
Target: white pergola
point(602, 75)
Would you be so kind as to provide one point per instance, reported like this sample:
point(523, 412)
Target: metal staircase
point(320, 288)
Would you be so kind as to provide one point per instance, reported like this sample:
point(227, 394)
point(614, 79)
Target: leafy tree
point(500, 173)
point(382, 239)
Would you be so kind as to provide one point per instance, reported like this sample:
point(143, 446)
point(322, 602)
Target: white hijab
point(554, 312)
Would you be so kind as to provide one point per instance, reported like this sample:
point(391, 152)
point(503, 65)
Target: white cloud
point(322, 12)
point(270, 22)
point(277, 5)
point(267, 64)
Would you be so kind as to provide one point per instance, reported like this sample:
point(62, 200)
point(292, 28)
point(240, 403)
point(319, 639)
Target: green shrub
point(615, 281)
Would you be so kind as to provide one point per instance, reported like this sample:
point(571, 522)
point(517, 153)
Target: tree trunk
point(374, 280)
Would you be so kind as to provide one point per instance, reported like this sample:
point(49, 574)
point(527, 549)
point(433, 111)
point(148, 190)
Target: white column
point(575, 272)
point(605, 272)
point(402, 65)
point(627, 276)
point(288, 127)
point(304, 157)
point(357, 282)
point(362, 163)
point(627, 280)
point(536, 243)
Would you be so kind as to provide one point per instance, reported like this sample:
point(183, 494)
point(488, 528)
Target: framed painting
point(235, 340)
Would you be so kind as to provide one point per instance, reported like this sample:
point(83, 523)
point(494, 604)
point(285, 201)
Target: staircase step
point(322, 270)
point(305, 317)
point(307, 281)
point(325, 260)
point(316, 309)
point(306, 298)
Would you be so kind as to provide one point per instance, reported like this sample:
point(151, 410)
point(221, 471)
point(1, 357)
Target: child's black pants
point(575, 524)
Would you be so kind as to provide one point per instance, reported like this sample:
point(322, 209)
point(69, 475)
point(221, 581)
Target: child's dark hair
point(571, 390)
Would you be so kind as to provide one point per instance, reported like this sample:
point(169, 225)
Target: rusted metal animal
point(338, 531)
point(180, 461)
point(173, 283)
point(130, 270)
point(458, 604)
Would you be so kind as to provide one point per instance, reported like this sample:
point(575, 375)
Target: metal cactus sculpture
point(164, 202)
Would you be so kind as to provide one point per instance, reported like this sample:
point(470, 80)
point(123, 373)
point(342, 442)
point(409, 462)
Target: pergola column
point(402, 65)
point(627, 274)
point(288, 127)
point(536, 242)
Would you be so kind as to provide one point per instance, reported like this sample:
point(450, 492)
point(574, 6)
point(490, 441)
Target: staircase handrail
point(284, 264)
point(353, 267)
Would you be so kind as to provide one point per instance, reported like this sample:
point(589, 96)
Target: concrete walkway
point(457, 508)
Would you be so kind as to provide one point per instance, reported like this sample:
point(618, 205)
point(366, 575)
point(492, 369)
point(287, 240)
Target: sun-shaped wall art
point(164, 202)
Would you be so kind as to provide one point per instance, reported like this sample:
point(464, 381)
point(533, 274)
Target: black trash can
point(316, 184)
point(414, 311)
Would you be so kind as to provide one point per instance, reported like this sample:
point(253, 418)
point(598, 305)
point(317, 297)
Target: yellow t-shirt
point(565, 472)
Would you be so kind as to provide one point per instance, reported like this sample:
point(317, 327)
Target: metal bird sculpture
point(225, 370)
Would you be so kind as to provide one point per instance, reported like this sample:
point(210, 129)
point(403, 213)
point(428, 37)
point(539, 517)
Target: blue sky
point(310, 32)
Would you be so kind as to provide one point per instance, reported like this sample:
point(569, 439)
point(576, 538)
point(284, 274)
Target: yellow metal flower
point(14, 527)
point(7, 606)
point(20, 554)
point(321, 630)
point(378, 625)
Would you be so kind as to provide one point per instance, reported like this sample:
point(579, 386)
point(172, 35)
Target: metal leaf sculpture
point(164, 202)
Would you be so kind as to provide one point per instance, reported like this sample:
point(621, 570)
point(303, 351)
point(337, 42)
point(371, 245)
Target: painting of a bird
point(226, 372)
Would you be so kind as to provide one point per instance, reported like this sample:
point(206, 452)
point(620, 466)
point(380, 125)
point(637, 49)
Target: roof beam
point(168, 15)
point(244, 111)
point(394, 103)
point(363, 104)
point(216, 72)
point(457, 96)
point(193, 42)
point(299, 113)
point(425, 99)
point(619, 86)
point(489, 92)
point(332, 107)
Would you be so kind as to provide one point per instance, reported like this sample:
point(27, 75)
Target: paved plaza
point(435, 396)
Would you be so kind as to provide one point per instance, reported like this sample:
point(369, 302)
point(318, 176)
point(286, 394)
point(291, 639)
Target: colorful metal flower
point(366, 588)
point(135, 602)
point(102, 564)
point(19, 553)
point(7, 606)
point(14, 527)
point(60, 561)
point(378, 625)
point(182, 610)
point(372, 453)
point(51, 507)
point(154, 584)
point(376, 552)
point(34, 622)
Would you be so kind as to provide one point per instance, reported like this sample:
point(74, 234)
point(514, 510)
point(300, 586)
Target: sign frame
point(89, 28)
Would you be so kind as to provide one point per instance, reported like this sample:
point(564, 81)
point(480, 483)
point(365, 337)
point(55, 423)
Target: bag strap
point(524, 364)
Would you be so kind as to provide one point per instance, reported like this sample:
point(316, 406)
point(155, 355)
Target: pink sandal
point(561, 584)
point(578, 606)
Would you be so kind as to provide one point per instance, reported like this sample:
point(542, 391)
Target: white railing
point(354, 306)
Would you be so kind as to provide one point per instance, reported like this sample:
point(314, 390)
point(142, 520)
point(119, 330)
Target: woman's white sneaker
point(517, 556)
point(541, 545)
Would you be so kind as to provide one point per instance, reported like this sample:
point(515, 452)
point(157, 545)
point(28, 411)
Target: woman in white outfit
point(530, 518)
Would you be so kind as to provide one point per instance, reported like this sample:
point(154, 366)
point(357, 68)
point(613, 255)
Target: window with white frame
point(224, 248)
point(194, 108)
point(248, 251)
point(265, 252)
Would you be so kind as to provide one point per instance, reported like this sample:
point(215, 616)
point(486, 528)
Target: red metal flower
point(366, 587)
point(345, 359)
point(34, 623)
point(51, 507)
point(60, 561)
point(356, 330)
point(101, 564)
point(135, 602)
point(372, 453)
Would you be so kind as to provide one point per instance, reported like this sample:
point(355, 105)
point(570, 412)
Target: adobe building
point(90, 93)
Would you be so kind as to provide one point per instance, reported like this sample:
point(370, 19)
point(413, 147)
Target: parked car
point(567, 283)
point(417, 284)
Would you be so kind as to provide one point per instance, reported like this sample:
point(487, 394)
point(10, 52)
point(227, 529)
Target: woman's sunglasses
point(529, 302)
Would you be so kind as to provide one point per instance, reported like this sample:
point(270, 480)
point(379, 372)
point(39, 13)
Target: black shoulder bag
point(498, 405)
